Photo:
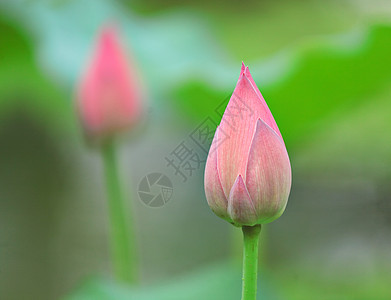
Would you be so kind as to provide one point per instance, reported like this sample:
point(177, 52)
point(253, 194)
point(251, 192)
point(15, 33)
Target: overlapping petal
point(268, 177)
point(240, 206)
point(245, 107)
point(248, 173)
point(265, 114)
point(213, 189)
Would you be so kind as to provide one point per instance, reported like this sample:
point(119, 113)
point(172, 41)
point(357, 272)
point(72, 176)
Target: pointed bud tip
point(108, 32)
point(245, 72)
point(243, 67)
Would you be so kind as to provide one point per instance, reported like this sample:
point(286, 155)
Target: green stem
point(250, 261)
point(123, 253)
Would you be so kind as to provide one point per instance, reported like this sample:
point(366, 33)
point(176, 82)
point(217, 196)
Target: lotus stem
point(122, 237)
point(250, 261)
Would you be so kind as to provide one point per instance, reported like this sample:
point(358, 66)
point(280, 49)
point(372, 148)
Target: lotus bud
point(109, 97)
point(247, 173)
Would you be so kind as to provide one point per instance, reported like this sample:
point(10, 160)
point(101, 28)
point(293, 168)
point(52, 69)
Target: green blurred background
point(324, 67)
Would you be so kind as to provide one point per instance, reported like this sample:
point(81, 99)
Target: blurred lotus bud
point(109, 93)
point(248, 173)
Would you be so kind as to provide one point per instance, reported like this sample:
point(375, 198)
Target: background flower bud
point(109, 95)
point(248, 173)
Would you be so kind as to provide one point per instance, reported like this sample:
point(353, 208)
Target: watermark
point(184, 160)
point(155, 189)
point(191, 153)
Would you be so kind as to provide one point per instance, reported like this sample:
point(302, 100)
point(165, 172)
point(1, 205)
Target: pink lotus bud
point(248, 173)
point(109, 97)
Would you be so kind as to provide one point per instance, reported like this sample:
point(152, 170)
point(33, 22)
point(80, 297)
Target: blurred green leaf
point(320, 78)
point(354, 142)
point(260, 28)
point(22, 84)
point(223, 282)
point(331, 78)
point(213, 282)
point(300, 283)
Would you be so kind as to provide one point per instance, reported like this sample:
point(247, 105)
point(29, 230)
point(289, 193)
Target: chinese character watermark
point(156, 189)
point(184, 160)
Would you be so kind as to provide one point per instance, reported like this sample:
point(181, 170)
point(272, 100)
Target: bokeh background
point(324, 67)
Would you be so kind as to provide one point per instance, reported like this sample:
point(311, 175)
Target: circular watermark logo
point(155, 189)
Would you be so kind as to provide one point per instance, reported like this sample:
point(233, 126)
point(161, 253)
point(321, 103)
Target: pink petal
point(267, 115)
point(108, 98)
point(268, 173)
point(240, 207)
point(213, 189)
point(245, 107)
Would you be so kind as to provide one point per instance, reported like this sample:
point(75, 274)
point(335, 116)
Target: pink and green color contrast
point(109, 101)
point(248, 173)
point(109, 94)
